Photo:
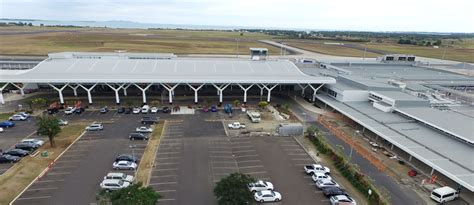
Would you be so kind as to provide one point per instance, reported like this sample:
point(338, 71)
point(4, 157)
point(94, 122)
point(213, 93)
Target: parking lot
point(195, 153)
point(77, 174)
point(10, 136)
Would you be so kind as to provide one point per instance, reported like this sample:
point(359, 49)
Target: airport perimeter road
point(195, 153)
point(399, 193)
point(75, 177)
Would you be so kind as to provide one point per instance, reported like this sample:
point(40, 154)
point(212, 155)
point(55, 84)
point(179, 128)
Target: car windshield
point(259, 193)
point(120, 182)
point(265, 183)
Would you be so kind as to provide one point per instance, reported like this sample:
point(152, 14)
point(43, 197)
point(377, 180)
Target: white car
point(144, 130)
point(69, 110)
point(63, 122)
point(1, 129)
point(154, 109)
point(342, 199)
point(260, 186)
point(236, 125)
point(125, 165)
point(17, 118)
point(313, 168)
point(119, 176)
point(326, 183)
point(319, 175)
point(136, 110)
point(95, 127)
point(24, 114)
point(114, 184)
point(264, 196)
point(34, 141)
point(145, 109)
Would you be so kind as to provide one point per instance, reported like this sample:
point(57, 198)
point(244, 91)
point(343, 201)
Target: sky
point(358, 15)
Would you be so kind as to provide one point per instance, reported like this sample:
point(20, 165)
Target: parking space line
point(158, 158)
point(250, 167)
point(224, 167)
point(62, 167)
point(290, 145)
point(223, 157)
point(249, 155)
point(223, 162)
point(246, 161)
point(68, 161)
point(167, 163)
point(36, 197)
point(243, 146)
point(305, 159)
point(168, 153)
point(162, 170)
point(162, 183)
point(48, 181)
point(165, 176)
point(243, 151)
point(39, 189)
point(77, 155)
point(291, 149)
point(166, 190)
point(298, 154)
point(262, 172)
point(171, 199)
point(219, 152)
point(58, 173)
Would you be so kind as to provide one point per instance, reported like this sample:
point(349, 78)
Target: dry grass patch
point(13, 181)
point(5, 116)
point(148, 157)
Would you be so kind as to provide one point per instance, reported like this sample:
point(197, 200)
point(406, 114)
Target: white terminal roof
point(123, 67)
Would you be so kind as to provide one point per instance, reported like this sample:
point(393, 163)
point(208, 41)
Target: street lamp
point(133, 155)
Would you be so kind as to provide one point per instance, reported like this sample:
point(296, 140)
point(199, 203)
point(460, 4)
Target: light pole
point(133, 155)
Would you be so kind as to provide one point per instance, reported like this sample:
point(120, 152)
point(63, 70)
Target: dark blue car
point(7, 124)
point(213, 109)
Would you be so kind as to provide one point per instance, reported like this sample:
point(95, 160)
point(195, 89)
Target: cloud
point(374, 15)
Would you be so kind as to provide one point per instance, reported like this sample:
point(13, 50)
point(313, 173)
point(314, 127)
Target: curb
point(46, 169)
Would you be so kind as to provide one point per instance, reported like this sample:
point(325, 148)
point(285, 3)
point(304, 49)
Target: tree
point(237, 103)
point(49, 126)
point(40, 101)
point(29, 102)
point(134, 194)
point(263, 104)
point(233, 189)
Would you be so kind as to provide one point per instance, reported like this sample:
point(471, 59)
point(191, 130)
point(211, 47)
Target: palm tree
point(49, 126)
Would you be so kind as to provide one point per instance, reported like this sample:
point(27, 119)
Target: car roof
point(115, 174)
point(444, 190)
point(341, 197)
point(111, 181)
point(266, 192)
point(123, 161)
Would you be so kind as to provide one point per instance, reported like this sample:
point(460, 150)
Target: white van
point(444, 194)
point(145, 109)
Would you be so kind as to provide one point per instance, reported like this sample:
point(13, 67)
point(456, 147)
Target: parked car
point(1, 130)
point(126, 157)
point(128, 110)
point(79, 110)
point(205, 109)
point(119, 176)
point(313, 168)
point(121, 110)
point(266, 195)
point(332, 191)
point(145, 109)
point(24, 114)
point(124, 165)
point(69, 110)
point(260, 186)
point(136, 110)
point(7, 124)
point(95, 127)
point(154, 109)
point(6, 158)
point(144, 129)
point(444, 194)
point(114, 184)
point(342, 199)
point(62, 122)
point(17, 152)
point(166, 109)
point(137, 136)
point(149, 120)
point(104, 110)
point(17, 118)
point(319, 175)
point(213, 109)
point(33, 141)
point(326, 183)
point(27, 146)
point(236, 125)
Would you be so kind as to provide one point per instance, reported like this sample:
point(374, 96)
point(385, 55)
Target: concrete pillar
point(302, 88)
point(195, 91)
point(1, 93)
point(409, 159)
point(88, 90)
point(125, 89)
point(432, 171)
point(245, 91)
point(170, 90)
point(269, 89)
point(22, 87)
point(74, 89)
point(60, 91)
point(220, 90)
point(315, 90)
point(144, 91)
point(116, 90)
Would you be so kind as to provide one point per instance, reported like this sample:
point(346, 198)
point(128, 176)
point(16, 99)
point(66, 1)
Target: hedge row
point(349, 171)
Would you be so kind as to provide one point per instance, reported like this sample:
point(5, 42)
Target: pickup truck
point(316, 168)
point(236, 125)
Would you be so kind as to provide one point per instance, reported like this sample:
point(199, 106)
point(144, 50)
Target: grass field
point(41, 41)
point(149, 155)
point(337, 50)
point(13, 181)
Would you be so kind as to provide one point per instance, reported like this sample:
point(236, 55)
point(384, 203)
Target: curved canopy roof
point(93, 68)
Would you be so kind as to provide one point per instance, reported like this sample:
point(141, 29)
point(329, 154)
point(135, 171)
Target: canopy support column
point(302, 88)
point(195, 91)
point(170, 90)
point(22, 87)
point(220, 90)
point(315, 90)
point(117, 98)
point(245, 91)
point(269, 89)
point(89, 96)
point(60, 91)
point(144, 91)
point(1, 93)
point(125, 89)
point(74, 88)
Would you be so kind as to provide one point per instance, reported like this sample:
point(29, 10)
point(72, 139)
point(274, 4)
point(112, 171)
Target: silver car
point(95, 127)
